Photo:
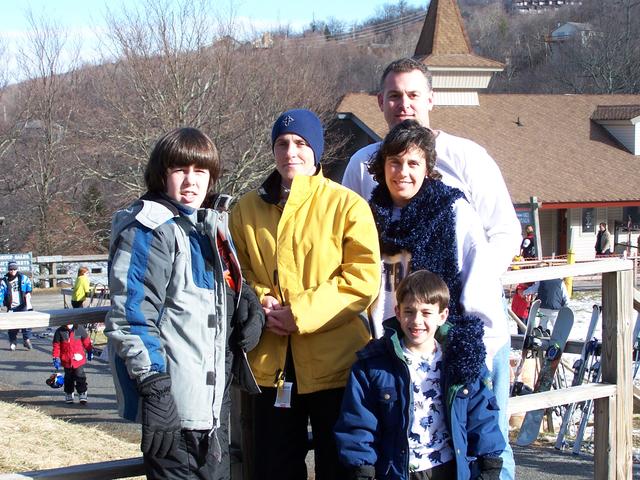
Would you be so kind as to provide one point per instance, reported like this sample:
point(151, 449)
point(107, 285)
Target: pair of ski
point(552, 354)
point(587, 364)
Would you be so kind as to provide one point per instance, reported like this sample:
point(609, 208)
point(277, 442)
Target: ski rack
point(613, 395)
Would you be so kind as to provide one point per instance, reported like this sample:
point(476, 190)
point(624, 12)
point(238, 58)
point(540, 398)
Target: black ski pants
point(75, 378)
point(281, 435)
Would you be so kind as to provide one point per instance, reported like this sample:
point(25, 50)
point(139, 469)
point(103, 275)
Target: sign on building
point(24, 261)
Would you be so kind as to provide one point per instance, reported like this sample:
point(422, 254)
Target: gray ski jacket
point(169, 305)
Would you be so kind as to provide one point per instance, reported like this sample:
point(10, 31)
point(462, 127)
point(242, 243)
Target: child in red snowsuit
point(519, 303)
point(70, 342)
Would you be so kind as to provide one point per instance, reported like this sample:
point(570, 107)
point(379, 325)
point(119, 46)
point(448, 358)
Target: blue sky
point(83, 20)
point(79, 14)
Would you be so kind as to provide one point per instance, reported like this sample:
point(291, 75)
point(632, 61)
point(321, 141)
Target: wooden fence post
point(612, 421)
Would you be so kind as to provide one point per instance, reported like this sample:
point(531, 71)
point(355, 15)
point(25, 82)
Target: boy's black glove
point(249, 319)
point(160, 422)
point(363, 472)
point(490, 467)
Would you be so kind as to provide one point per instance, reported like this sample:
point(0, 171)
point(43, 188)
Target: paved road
point(23, 374)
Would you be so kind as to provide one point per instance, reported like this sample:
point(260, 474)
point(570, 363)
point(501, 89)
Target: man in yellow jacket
point(310, 249)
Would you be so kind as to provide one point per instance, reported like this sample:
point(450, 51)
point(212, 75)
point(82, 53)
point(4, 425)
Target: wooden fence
point(46, 267)
point(613, 396)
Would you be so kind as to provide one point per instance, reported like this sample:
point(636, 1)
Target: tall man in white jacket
point(405, 93)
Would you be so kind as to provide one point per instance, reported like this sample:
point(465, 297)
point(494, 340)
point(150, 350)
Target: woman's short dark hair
point(181, 147)
point(403, 136)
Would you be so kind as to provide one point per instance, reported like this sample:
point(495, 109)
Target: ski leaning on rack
point(579, 369)
point(636, 347)
point(553, 353)
point(595, 372)
point(528, 344)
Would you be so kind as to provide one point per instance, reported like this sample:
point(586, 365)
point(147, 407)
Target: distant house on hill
point(571, 31)
point(578, 154)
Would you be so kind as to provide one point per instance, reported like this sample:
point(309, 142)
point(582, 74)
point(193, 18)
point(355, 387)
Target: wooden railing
point(613, 396)
point(51, 263)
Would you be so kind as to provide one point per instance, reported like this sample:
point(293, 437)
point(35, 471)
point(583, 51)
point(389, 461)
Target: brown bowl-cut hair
point(402, 137)
point(425, 287)
point(181, 147)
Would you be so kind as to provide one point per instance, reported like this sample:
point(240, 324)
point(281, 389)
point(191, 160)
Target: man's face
point(12, 272)
point(406, 95)
point(294, 157)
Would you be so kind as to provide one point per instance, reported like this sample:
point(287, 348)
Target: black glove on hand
point(490, 467)
point(160, 422)
point(249, 319)
point(363, 472)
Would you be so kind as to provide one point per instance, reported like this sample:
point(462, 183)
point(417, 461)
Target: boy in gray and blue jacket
point(179, 306)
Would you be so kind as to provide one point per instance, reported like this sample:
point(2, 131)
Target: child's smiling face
point(419, 322)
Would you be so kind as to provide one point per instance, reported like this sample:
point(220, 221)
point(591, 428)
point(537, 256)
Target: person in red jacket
point(520, 302)
point(70, 343)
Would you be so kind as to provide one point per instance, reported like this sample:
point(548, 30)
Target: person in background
point(603, 246)
point(528, 245)
point(15, 294)
point(553, 295)
point(309, 248)
point(412, 408)
point(520, 302)
point(81, 288)
point(175, 283)
point(70, 342)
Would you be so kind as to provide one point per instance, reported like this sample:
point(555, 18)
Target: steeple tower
point(444, 47)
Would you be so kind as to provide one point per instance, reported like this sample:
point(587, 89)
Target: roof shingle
point(545, 145)
point(616, 112)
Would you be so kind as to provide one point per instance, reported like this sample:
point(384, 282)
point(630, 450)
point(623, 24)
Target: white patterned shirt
point(429, 439)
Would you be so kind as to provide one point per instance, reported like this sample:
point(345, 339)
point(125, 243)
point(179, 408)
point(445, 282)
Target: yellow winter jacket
point(322, 249)
point(81, 289)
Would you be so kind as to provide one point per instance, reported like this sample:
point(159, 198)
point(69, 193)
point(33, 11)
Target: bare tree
point(175, 65)
point(605, 61)
point(38, 170)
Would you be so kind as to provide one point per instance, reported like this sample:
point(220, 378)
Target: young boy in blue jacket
point(417, 404)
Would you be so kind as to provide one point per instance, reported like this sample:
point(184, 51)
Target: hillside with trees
point(74, 138)
point(606, 61)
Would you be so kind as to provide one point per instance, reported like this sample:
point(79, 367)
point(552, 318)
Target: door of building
point(561, 247)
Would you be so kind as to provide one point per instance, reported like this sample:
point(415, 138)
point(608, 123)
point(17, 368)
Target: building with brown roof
point(578, 154)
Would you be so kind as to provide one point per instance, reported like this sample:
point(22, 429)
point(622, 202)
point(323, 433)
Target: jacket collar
point(176, 208)
point(461, 342)
point(302, 185)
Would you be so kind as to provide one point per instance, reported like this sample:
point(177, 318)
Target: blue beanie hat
point(303, 123)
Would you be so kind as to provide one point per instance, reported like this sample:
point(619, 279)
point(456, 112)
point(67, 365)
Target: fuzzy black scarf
point(427, 229)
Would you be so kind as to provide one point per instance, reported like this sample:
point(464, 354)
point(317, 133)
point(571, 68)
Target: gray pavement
point(23, 374)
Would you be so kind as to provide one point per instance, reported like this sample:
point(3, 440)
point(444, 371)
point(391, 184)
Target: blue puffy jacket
point(377, 411)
